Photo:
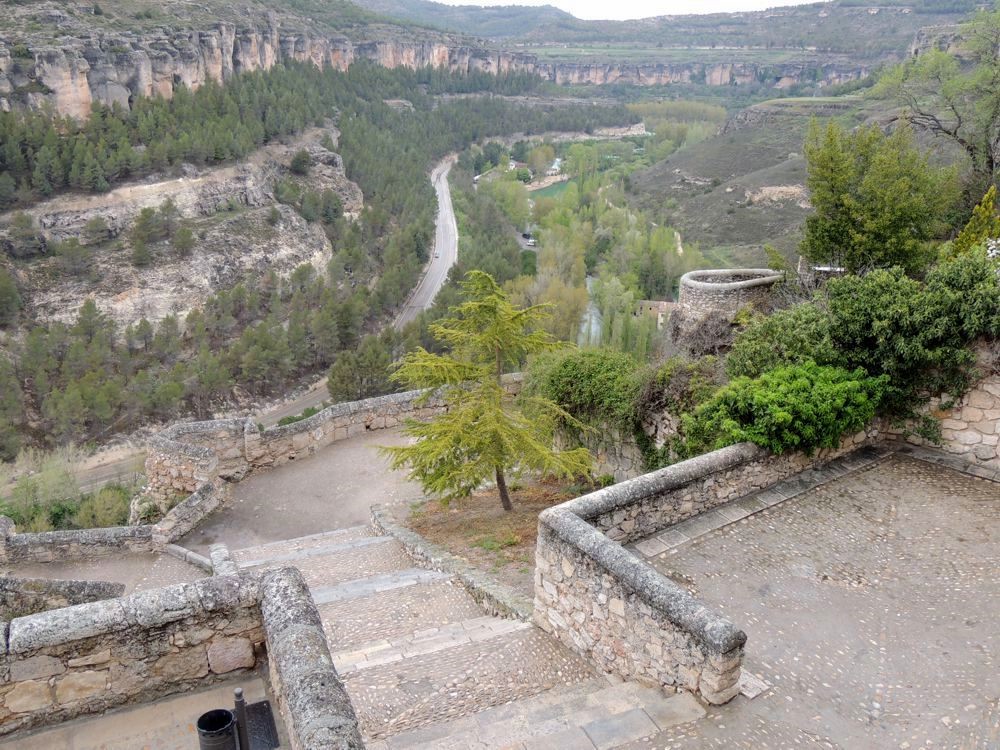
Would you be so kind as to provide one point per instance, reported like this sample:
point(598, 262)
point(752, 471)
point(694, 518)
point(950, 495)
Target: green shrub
point(789, 336)
point(679, 385)
point(301, 162)
point(106, 507)
point(796, 407)
point(594, 385)
point(917, 334)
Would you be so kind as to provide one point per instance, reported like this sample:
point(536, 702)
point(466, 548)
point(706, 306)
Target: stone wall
point(91, 657)
point(185, 456)
point(971, 429)
point(615, 453)
point(48, 546)
point(28, 596)
point(612, 607)
point(726, 290)
point(85, 544)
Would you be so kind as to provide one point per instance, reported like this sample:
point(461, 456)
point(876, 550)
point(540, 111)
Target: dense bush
point(916, 333)
point(795, 407)
point(789, 336)
point(594, 385)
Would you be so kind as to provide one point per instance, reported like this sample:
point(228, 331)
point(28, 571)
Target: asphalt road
point(443, 257)
point(445, 253)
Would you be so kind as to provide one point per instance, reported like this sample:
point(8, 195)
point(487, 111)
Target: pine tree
point(485, 432)
point(984, 224)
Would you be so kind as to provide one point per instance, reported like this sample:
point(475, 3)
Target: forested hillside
point(89, 380)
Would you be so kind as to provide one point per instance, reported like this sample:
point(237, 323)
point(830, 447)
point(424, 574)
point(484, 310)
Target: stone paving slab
point(448, 684)
point(429, 641)
point(338, 567)
point(374, 585)
point(324, 539)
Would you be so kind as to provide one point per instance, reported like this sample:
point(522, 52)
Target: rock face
point(228, 209)
point(111, 67)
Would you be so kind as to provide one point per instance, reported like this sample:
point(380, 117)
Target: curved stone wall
point(726, 290)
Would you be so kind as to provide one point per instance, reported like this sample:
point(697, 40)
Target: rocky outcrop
point(111, 68)
point(229, 211)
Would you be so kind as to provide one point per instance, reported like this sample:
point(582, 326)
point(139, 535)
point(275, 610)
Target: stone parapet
point(186, 456)
point(609, 605)
point(91, 657)
point(726, 290)
point(48, 546)
point(314, 705)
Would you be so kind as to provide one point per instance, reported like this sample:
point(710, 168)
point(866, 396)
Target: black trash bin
point(217, 730)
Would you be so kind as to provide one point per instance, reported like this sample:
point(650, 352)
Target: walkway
point(426, 668)
point(331, 489)
point(870, 603)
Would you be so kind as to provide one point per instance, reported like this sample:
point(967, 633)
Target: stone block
point(189, 664)
point(35, 667)
point(31, 695)
point(101, 657)
point(80, 686)
point(229, 654)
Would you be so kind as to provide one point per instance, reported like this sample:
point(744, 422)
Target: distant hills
point(868, 30)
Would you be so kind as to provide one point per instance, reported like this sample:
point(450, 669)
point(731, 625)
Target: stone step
point(285, 546)
point(594, 715)
point(293, 557)
point(426, 641)
point(460, 680)
point(390, 606)
point(346, 562)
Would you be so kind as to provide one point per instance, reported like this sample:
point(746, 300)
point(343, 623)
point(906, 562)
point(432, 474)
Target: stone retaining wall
point(28, 596)
point(613, 608)
point(91, 657)
point(972, 428)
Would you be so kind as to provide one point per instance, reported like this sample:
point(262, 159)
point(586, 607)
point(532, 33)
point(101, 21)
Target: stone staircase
point(426, 668)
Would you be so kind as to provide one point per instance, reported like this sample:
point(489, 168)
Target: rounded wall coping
point(713, 631)
point(703, 279)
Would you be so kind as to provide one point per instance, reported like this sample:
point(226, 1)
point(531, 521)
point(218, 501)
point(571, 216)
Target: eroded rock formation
point(118, 67)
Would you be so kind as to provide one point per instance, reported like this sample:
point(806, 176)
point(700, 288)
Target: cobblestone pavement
point(137, 571)
point(871, 606)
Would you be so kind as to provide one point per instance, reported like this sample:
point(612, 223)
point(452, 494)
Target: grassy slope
point(702, 189)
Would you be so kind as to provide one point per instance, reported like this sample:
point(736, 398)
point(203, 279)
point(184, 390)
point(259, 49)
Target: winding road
point(443, 257)
point(445, 254)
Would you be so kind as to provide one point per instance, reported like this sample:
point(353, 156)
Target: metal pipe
point(241, 719)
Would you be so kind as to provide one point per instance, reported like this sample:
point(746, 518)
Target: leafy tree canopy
point(877, 199)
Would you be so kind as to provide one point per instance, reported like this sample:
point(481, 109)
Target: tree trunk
point(502, 487)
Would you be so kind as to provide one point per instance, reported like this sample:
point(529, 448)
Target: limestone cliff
point(229, 210)
point(107, 66)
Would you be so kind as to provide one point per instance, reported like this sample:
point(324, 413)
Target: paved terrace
point(871, 606)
